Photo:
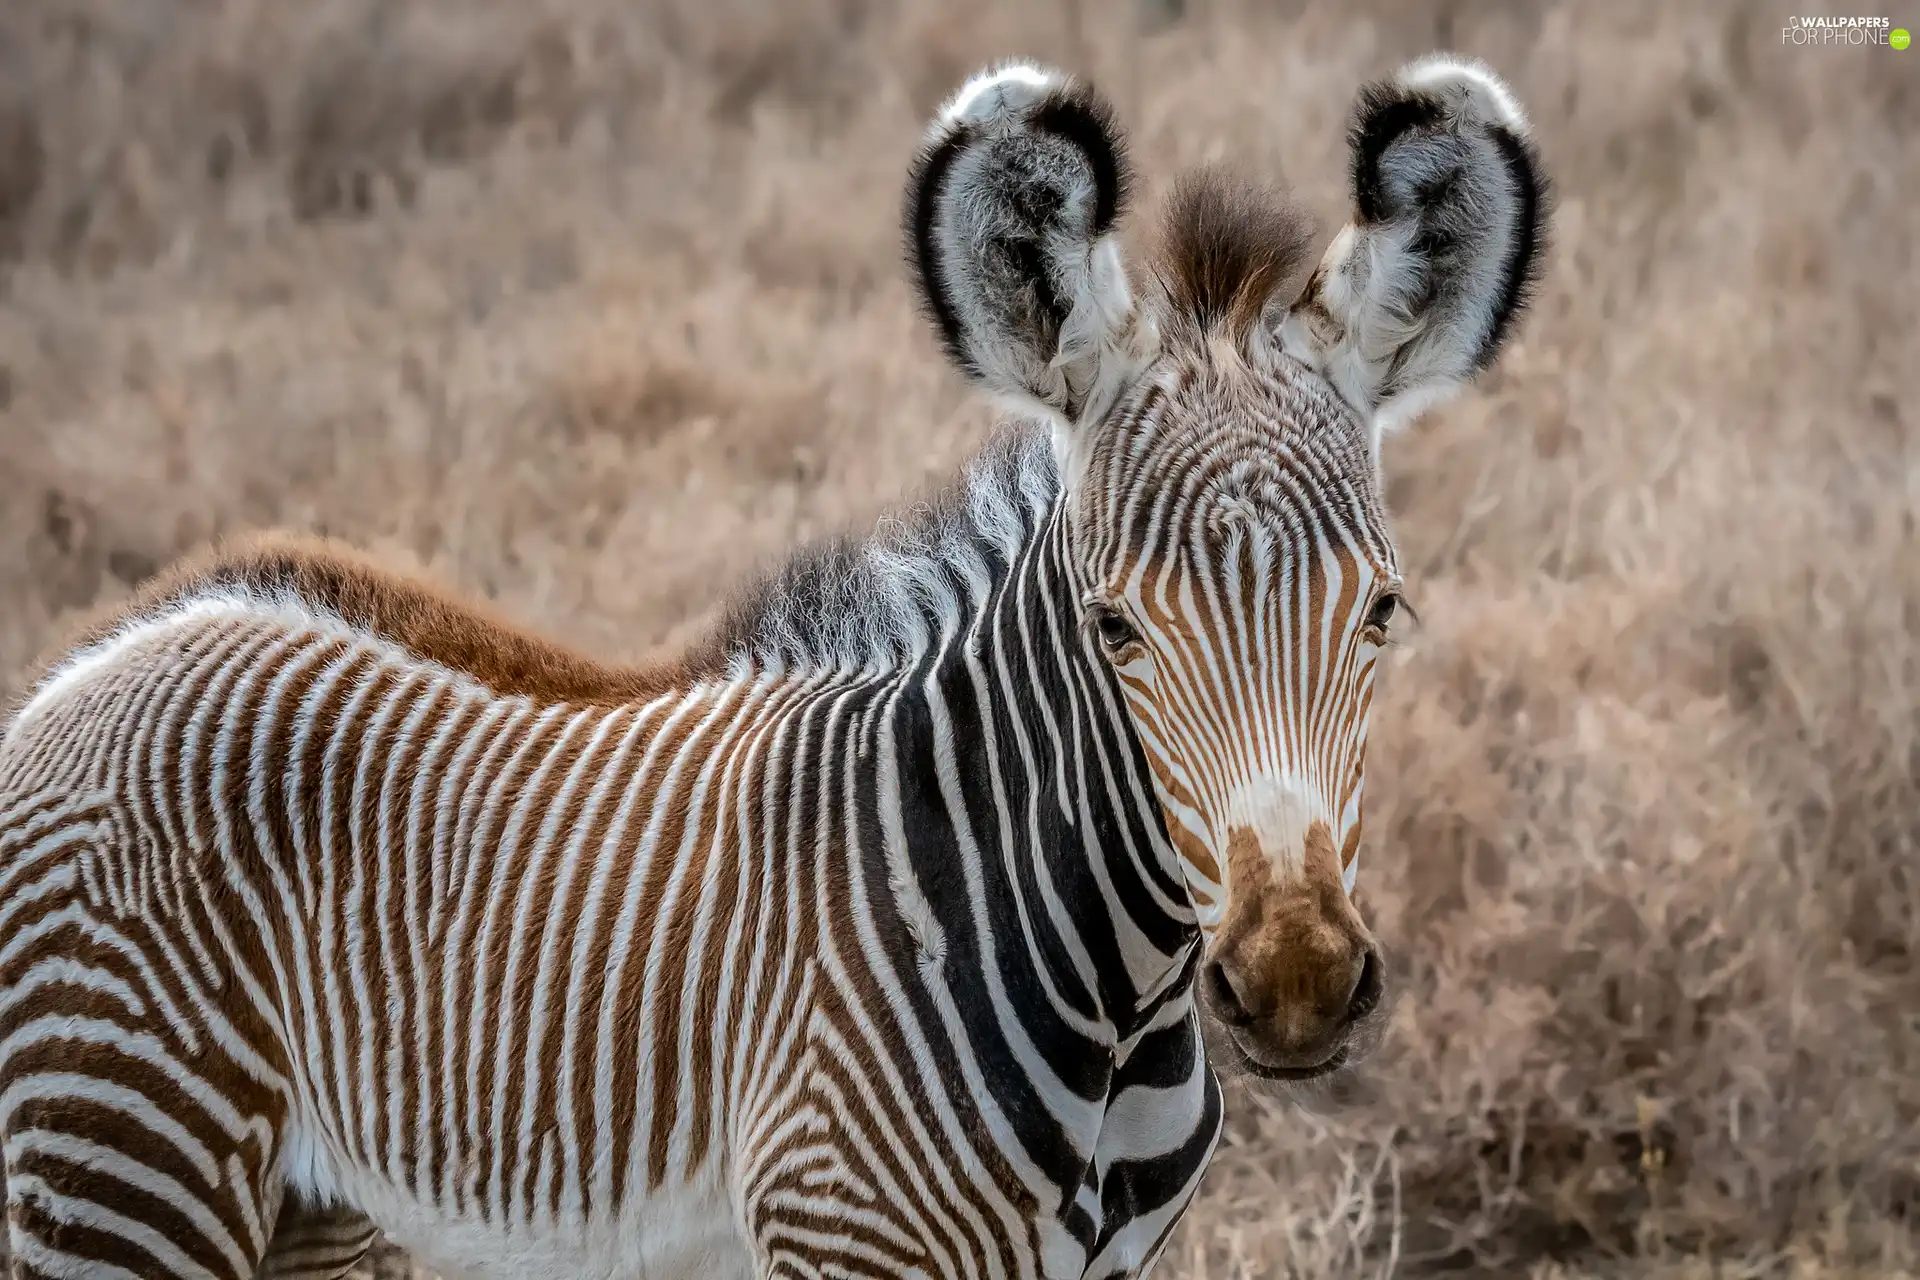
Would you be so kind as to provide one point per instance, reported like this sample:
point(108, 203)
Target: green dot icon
point(1899, 38)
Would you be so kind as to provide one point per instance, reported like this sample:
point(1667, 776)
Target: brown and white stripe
point(869, 937)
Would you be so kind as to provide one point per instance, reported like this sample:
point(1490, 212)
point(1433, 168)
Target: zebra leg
point(316, 1242)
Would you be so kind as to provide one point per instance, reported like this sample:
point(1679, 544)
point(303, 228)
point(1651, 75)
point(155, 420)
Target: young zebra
point(870, 937)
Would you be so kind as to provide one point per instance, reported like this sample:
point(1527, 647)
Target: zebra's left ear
point(1419, 292)
point(1010, 214)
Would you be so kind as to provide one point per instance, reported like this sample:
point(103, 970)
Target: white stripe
point(123, 1168)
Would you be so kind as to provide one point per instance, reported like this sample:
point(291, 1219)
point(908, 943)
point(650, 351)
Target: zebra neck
point(981, 742)
point(1027, 829)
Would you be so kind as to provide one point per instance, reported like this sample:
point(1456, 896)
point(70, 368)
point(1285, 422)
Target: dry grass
point(592, 306)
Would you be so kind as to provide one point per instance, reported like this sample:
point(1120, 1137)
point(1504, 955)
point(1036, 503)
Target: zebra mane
point(868, 605)
point(319, 582)
point(1228, 248)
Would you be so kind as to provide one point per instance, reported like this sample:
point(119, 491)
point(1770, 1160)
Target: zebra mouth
point(1245, 1064)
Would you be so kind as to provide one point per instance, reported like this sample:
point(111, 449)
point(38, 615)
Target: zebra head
point(1219, 443)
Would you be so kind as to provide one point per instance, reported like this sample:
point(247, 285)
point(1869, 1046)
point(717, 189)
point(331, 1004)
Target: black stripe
point(1520, 275)
point(1084, 120)
point(925, 183)
point(1384, 113)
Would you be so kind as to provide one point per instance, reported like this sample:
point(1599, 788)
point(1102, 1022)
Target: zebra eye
point(1382, 614)
point(1116, 633)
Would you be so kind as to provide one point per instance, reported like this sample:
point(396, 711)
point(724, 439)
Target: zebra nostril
point(1224, 999)
point(1366, 991)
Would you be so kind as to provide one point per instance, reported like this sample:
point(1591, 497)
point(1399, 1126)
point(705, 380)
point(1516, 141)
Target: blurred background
point(591, 307)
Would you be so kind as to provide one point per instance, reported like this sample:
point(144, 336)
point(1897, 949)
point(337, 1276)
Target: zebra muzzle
point(1293, 971)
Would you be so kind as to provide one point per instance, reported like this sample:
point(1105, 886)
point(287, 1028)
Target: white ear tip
point(1473, 94)
point(999, 92)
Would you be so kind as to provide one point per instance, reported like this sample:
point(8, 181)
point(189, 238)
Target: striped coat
point(891, 930)
point(526, 953)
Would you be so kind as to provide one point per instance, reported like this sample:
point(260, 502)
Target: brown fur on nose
point(1291, 950)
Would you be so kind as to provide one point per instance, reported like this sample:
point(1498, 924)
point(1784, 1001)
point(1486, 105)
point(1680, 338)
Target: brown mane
point(1227, 247)
point(419, 615)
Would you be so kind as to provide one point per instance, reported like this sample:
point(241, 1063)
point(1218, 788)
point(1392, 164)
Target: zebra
point(906, 923)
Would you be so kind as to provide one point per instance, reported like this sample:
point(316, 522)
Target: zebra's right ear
point(1010, 213)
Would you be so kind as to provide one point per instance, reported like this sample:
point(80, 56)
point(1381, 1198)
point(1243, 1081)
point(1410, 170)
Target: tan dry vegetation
point(593, 306)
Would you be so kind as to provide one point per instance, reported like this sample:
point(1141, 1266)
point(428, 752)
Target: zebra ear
point(1418, 293)
point(1009, 216)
